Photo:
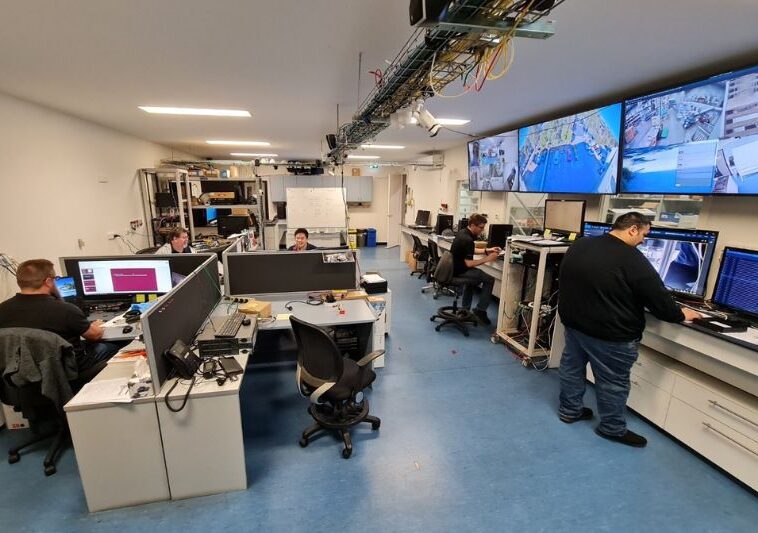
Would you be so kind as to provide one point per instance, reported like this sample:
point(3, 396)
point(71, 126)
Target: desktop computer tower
point(443, 222)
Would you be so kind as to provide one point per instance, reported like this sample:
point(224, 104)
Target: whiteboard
point(323, 207)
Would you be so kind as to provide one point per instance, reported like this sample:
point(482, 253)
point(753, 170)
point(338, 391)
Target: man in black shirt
point(39, 306)
point(464, 266)
point(606, 285)
point(301, 241)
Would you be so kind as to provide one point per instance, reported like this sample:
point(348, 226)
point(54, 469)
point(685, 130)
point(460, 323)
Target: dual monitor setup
point(700, 138)
point(423, 220)
point(683, 259)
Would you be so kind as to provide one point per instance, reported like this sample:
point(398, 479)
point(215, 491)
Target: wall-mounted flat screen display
point(493, 163)
point(573, 154)
point(700, 138)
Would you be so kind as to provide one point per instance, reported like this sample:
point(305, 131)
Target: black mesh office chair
point(452, 314)
point(332, 383)
point(432, 285)
point(421, 255)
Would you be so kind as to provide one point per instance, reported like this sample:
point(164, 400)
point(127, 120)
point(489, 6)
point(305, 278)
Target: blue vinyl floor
point(469, 441)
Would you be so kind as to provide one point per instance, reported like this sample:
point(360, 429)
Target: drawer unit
point(648, 400)
point(729, 407)
point(652, 368)
point(729, 449)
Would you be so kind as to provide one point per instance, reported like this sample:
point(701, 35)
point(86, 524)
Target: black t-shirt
point(462, 249)
point(308, 246)
point(42, 311)
point(606, 286)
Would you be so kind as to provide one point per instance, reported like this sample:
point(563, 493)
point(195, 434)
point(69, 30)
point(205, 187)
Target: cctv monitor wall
point(564, 216)
point(699, 138)
point(573, 154)
point(493, 163)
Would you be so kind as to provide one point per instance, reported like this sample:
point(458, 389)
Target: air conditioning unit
point(433, 161)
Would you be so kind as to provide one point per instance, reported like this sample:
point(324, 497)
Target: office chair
point(434, 259)
point(452, 314)
point(421, 254)
point(40, 410)
point(332, 383)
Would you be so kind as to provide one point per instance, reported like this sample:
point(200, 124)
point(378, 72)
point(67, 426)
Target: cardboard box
point(410, 260)
point(14, 420)
point(256, 307)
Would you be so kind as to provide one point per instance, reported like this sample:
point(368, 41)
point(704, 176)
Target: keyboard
point(230, 327)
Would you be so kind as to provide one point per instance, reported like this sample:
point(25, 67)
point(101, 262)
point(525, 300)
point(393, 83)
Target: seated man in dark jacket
point(301, 241)
point(39, 306)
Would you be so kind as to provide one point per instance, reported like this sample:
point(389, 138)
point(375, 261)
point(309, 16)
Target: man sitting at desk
point(301, 241)
point(178, 243)
point(464, 266)
point(39, 306)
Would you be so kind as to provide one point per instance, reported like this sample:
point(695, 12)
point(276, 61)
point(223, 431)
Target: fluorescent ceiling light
point(383, 146)
point(196, 111)
point(446, 121)
point(240, 143)
point(244, 154)
point(351, 156)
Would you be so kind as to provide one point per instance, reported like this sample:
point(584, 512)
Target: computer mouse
point(246, 321)
point(127, 329)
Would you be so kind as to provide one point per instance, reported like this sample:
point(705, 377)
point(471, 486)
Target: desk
point(406, 240)
point(118, 448)
point(202, 444)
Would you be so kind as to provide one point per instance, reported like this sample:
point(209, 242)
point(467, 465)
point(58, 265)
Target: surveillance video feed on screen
point(682, 260)
point(493, 163)
point(574, 154)
point(700, 138)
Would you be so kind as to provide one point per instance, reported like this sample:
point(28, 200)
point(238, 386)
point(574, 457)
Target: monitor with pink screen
point(100, 278)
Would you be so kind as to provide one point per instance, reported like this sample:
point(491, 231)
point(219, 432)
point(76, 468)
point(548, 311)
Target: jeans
point(474, 277)
point(97, 352)
point(611, 363)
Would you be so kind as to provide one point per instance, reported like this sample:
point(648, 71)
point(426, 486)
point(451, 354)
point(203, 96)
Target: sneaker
point(586, 415)
point(629, 438)
point(482, 317)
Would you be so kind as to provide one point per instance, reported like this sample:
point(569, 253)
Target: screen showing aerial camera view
point(700, 138)
point(493, 163)
point(578, 153)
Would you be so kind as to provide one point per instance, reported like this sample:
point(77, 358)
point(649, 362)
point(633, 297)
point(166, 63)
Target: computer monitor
point(180, 314)
point(498, 234)
point(462, 223)
point(698, 138)
point(105, 278)
point(493, 163)
point(66, 287)
point(564, 216)
point(422, 217)
point(443, 222)
point(737, 281)
point(232, 224)
point(573, 154)
point(682, 257)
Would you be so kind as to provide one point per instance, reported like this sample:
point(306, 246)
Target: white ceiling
point(291, 62)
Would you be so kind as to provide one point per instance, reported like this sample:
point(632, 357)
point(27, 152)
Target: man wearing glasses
point(464, 266)
point(38, 305)
point(606, 285)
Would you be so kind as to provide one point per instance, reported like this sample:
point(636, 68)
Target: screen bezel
point(518, 166)
point(718, 278)
point(729, 74)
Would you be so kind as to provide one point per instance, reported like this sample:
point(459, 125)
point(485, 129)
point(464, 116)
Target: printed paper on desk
point(105, 391)
point(283, 316)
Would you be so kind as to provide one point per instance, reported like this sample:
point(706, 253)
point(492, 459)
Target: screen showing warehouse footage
point(700, 138)
point(573, 154)
point(493, 163)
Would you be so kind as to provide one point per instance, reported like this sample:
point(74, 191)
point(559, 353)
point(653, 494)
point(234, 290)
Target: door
point(394, 208)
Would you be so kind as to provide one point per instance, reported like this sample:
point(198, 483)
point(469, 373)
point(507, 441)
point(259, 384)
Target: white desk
point(203, 444)
point(118, 448)
point(406, 239)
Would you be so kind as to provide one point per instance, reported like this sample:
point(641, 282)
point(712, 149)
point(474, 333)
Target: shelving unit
point(468, 201)
point(159, 219)
point(678, 211)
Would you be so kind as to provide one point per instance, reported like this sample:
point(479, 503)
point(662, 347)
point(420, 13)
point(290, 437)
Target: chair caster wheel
point(431, 319)
point(434, 296)
point(13, 458)
point(465, 333)
point(494, 339)
point(375, 425)
point(303, 442)
point(50, 470)
point(346, 453)
point(438, 328)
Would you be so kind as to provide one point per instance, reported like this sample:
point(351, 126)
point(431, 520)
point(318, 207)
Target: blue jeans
point(611, 363)
point(97, 352)
point(475, 277)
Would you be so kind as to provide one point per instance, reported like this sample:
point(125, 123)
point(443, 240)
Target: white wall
point(50, 182)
